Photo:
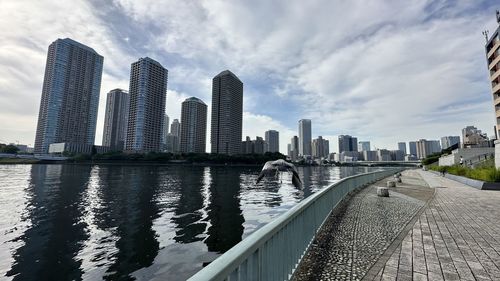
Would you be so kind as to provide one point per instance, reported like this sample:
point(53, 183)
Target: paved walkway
point(457, 237)
point(361, 229)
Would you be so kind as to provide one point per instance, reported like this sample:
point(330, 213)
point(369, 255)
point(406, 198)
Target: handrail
point(274, 251)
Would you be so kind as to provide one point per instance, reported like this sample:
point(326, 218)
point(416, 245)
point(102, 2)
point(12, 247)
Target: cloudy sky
point(384, 71)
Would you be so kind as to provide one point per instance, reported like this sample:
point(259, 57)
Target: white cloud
point(384, 71)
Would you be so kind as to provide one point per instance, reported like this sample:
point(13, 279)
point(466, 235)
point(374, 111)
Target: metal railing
point(274, 251)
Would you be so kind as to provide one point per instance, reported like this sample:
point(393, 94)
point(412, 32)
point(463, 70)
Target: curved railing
point(274, 251)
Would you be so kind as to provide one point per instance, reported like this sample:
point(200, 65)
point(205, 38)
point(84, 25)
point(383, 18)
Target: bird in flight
point(275, 167)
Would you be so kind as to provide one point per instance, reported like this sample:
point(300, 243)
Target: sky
point(383, 71)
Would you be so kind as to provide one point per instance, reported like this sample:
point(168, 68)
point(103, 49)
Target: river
point(136, 222)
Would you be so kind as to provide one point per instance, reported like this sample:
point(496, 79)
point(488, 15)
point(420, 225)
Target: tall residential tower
point(193, 126)
point(115, 120)
point(272, 139)
point(227, 113)
point(148, 94)
point(305, 137)
point(70, 95)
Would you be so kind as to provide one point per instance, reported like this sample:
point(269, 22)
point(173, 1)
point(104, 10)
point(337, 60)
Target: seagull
point(280, 165)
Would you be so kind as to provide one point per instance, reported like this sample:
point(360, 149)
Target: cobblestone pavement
point(457, 237)
point(359, 232)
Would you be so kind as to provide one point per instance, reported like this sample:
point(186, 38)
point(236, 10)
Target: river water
point(131, 222)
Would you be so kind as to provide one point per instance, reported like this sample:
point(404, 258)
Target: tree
point(8, 148)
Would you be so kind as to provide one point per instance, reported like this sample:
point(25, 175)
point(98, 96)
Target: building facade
point(493, 60)
point(305, 137)
point(70, 95)
point(492, 49)
point(272, 139)
point(347, 143)
point(412, 145)
point(449, 141)
point(363, 146)
point(115, 120)
point(294, 148)
point(320, 147)
point(194, 126)
point(227, 113)
point(402, 147)
point(165, 131)
point(148, 94)
point(175, 131)
point(427, 147)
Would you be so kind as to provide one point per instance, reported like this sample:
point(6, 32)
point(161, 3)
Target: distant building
point(427, 147)
point(175, 130)
point(348, 143)
point(349, 156)
point(397, 155)
point(320, 148)
point(449, 141)
point(172, 143)
point(383, 155)
point(472, 137)
point(258, 145)
point(289, 150)
point(227, 113)
point(305, 136)
point(148, 94)
point(165, 131)
point(413, 148)
point(363, 146)
point(370, 155)
point(70, 95)
point(295, 148)
point(272, 139)
point(402, 147)
point(194, 126)
point(115, 120)
point(253, 146)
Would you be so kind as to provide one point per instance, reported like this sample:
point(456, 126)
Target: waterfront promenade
point(431, 228)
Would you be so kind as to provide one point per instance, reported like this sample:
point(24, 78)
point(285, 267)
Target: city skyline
point(304, 91)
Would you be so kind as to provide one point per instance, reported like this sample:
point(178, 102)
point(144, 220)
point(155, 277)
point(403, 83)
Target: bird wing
point(268, 167)
point(296, 180)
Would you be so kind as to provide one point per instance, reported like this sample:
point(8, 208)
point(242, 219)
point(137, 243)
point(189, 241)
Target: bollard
point(382, 191)
point(391, 184)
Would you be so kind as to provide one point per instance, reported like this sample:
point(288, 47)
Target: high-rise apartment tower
point(148, 94)
point(115, 120)
point(227, 113)
point(70, 95)
point(193, 126)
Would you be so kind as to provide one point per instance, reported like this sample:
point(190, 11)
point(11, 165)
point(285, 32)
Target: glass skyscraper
point(148, 94)
point(70, 95)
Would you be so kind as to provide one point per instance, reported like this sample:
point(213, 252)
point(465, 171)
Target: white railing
point(274, 251)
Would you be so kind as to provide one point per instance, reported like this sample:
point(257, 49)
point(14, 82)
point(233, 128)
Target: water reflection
point(117, 222)
point(188, 212)
point(224, 210)
point(56, 233)
point(131, 210)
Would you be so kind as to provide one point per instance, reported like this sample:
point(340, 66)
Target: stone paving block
point(435, 276)
point(419, 277)
point(390, 271)
point(451, 276)
point(433, 267)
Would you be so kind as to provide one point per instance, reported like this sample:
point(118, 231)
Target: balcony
point(496, 89)
point(494, 75)
point(493, 63)
point(496, 44)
